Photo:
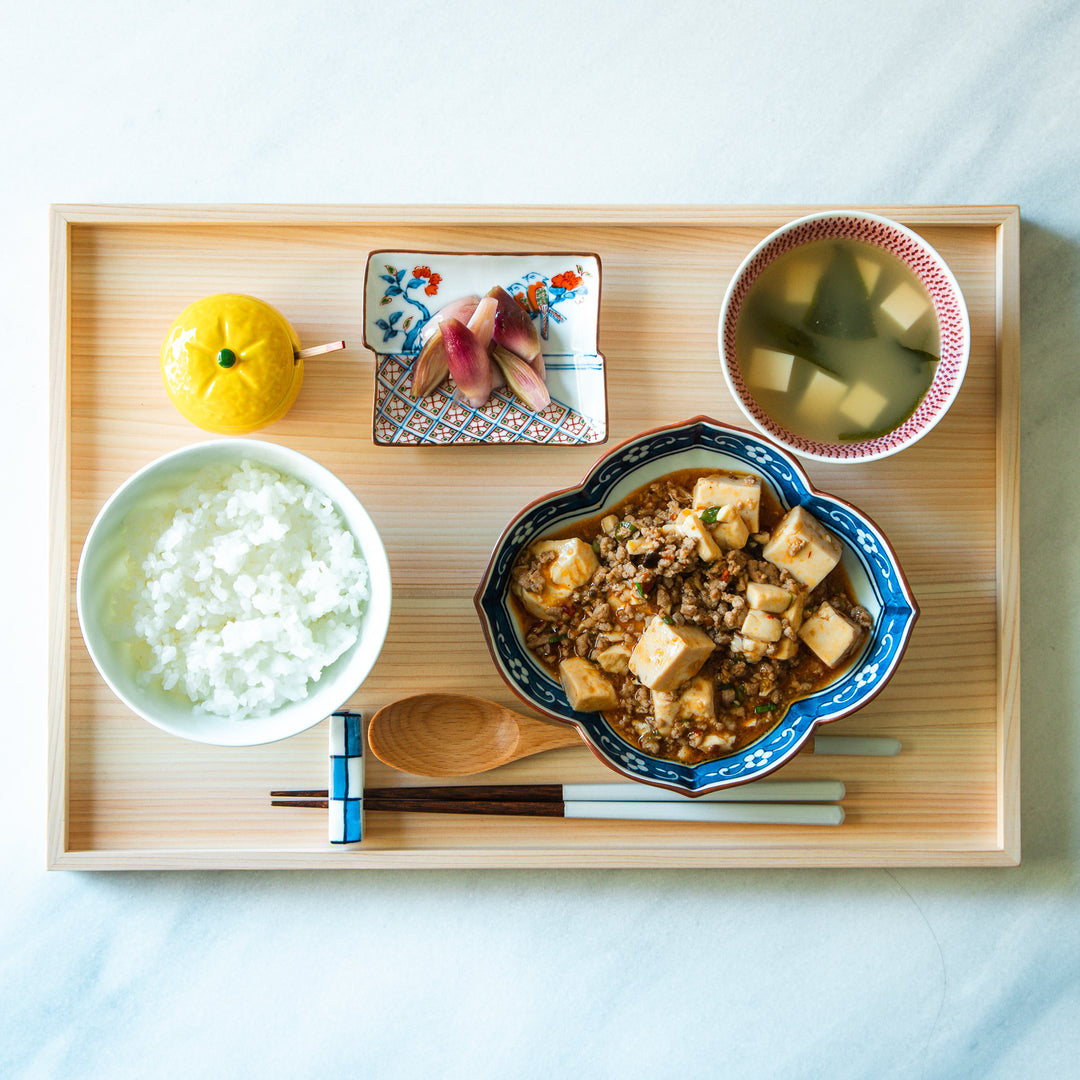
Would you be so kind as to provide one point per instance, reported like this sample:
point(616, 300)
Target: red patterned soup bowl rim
point(931, 270)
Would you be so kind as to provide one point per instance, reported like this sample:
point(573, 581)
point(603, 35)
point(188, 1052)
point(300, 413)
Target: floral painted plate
point(561, 293)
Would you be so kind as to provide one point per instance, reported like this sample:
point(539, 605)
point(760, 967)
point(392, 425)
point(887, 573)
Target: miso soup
point(838, 341)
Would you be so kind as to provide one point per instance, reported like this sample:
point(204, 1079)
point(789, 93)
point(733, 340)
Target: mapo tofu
point(692, 614)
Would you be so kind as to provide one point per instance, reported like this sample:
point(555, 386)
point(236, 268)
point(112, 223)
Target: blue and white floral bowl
point(702, 443)
point(403, 290)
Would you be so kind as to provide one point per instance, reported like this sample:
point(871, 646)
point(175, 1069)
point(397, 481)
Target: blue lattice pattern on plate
point(868, 558)
point(439, 418)
point(561, 293)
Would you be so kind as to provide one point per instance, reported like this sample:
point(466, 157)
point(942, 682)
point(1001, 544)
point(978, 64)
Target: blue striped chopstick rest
point(346, 786)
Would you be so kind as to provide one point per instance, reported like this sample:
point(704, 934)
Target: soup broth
point(838, 341)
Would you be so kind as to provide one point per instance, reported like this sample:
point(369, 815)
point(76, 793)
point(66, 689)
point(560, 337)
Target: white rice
point(248, 592)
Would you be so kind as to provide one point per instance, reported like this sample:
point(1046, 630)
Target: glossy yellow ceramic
point(229, 364)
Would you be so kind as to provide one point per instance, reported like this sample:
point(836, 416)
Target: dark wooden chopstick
point(533, 800)
point(521, 792)
point(622, 801)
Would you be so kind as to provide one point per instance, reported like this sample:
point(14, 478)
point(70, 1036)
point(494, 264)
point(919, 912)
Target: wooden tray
point(124, 795)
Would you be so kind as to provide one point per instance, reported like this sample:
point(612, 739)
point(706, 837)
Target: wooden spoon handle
point(538, 735)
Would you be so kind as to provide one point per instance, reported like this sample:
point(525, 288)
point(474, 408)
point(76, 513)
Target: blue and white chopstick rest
point(346, 801)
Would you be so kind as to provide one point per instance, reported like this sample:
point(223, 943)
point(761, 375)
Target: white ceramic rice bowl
point(99, 577)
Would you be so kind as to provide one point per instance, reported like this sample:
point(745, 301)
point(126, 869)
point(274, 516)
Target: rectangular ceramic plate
point(124, 795)
point(561, 293)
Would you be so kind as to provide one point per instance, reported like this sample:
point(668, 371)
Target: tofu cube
point(786, 649)
point(793, 615)
point(905, 305)
point(697, 701)
point(832, 636)
point(869, 270)
point(769, 369)
point(586, 689)
point(742, 492)
point(716, 740)
point(863, 404)
point(665, 707)
point(822, 394)
point(748, 648)
point(761, 626)
point(803, 547)
point(689, 523)
point(666, 656)
point(615, 658)
point(574, 563)
point(638, 545)
point(729, 529)
point(762, 597)
point(801, 280)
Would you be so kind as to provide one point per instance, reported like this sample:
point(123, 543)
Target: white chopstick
point(856, 745)
point(759, 791)
point(696, 810)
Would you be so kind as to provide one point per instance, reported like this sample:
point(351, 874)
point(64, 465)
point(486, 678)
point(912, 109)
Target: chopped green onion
point(640, 589)
point(667, 619)
point(769, 707)
point(708, 515)
point(555, 638)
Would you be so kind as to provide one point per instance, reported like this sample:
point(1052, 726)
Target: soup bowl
point(871, 565)
point(928, 268)
point(110, 575)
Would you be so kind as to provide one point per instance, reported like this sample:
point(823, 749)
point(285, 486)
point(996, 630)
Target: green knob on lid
point(226, 358)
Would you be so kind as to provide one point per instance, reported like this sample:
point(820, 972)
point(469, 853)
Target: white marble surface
point(882, 974)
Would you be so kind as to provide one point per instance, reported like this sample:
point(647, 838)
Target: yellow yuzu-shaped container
point(230, 364)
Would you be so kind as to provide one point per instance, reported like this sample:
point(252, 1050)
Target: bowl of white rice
point(233, 592)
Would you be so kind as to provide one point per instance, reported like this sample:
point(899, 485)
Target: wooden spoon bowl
point(459, 735)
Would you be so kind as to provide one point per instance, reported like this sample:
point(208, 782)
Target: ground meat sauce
point(646, 569)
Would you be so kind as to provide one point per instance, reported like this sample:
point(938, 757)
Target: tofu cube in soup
point(905, 305)
point(823, 393)
point(831, 635)
point(869, 271)
point(561, 567)
point(769, 369)
point(863, 405)
point(665, 656)
point(742, 492)
point(586, 688)
point(803, 547)
point(801, 280)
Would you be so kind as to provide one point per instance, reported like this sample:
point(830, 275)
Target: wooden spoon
point(458, 735)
